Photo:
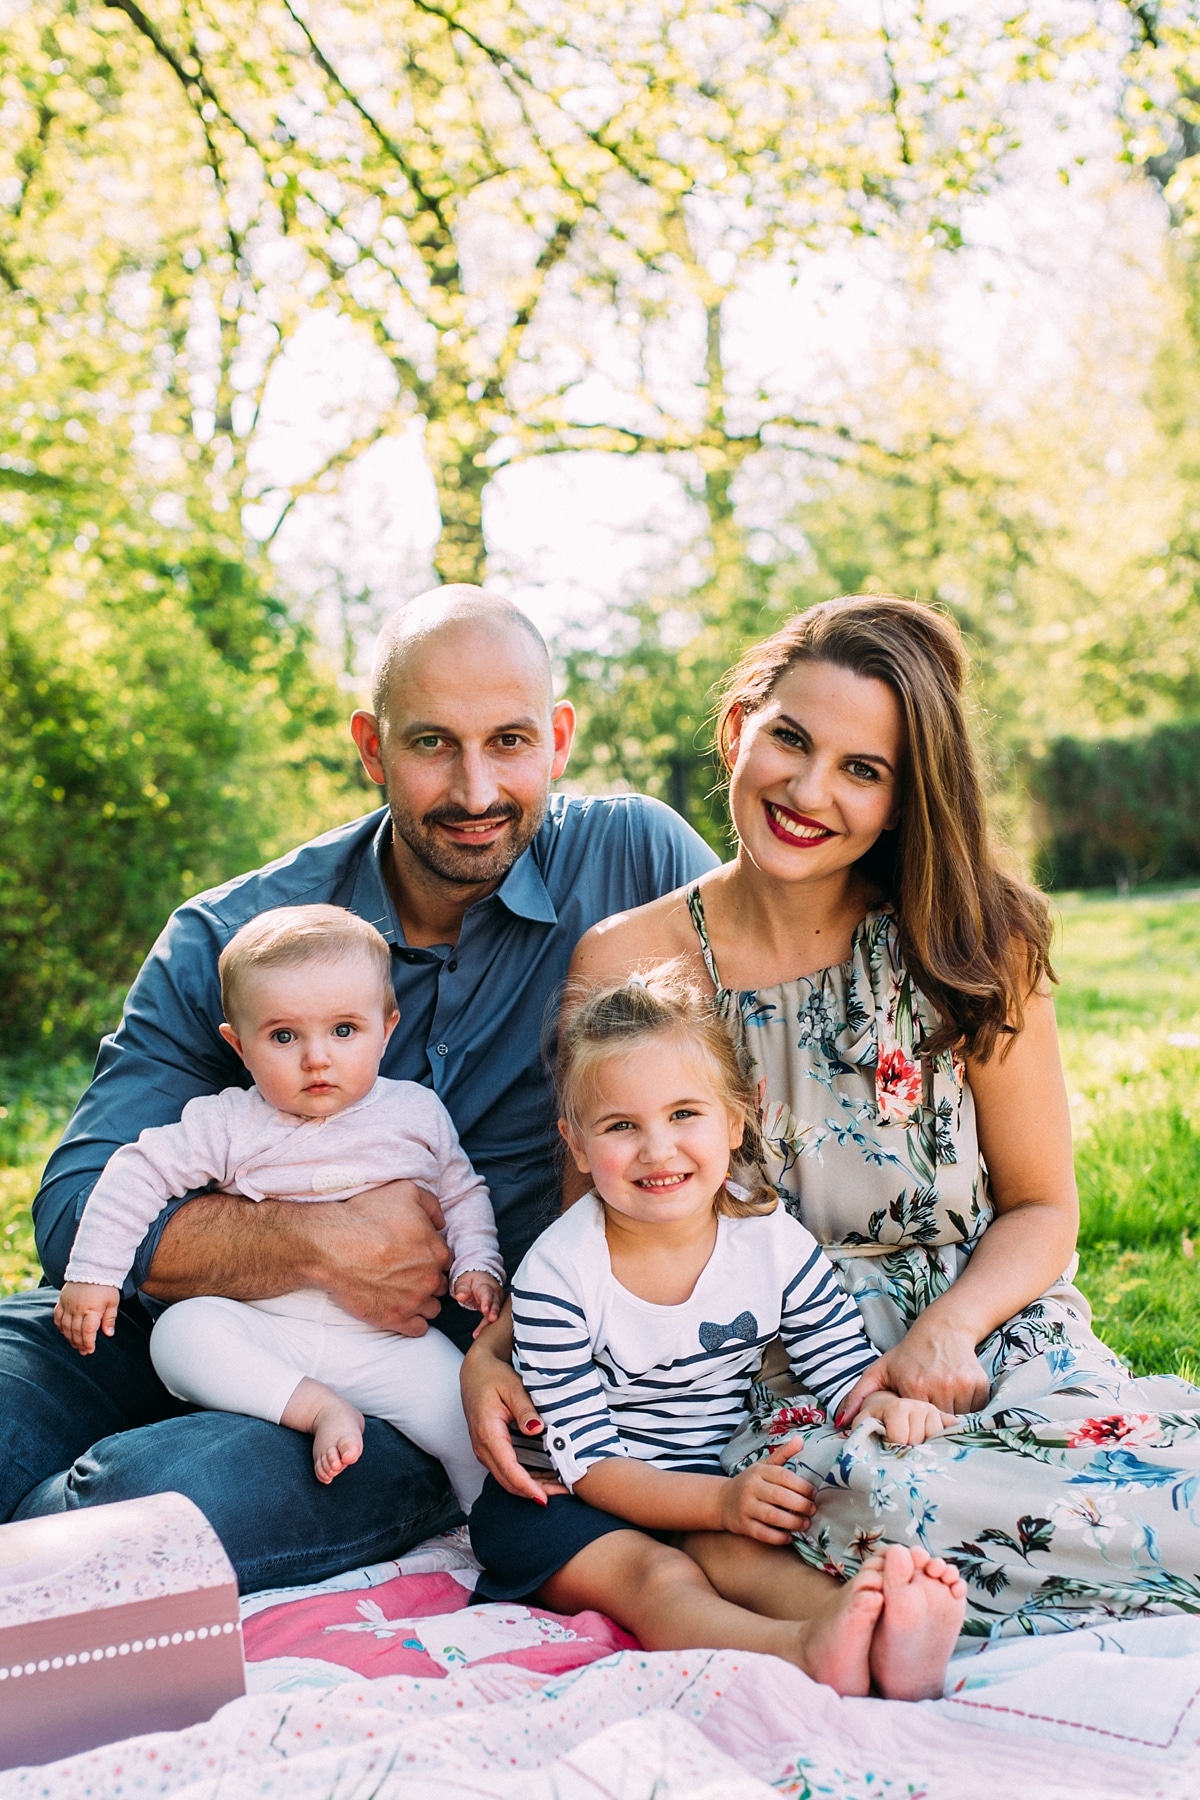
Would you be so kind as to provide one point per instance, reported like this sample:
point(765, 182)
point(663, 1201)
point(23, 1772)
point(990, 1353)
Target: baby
point(309, 1007)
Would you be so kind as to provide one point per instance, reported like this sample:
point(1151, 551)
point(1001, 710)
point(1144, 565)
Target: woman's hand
point(935, 1361)
point(906, 1421)
point(767, 1501)
point(494, 1399)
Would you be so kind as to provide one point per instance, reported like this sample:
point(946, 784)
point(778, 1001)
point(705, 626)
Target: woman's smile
point(796, 828)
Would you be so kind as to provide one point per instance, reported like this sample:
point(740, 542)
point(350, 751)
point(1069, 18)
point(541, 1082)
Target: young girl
point(309, 1007)
point(640, 1318)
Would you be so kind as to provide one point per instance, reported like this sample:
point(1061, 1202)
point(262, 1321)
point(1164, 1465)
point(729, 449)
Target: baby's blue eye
point(343, 1031)
point(283, 1036)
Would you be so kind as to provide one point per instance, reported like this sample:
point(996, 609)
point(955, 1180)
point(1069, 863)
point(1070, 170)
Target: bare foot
point(834, 1645)
point(337, 1437)
point(924, 1600)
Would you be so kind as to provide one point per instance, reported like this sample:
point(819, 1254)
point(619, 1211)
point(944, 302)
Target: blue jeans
point(78, 1430)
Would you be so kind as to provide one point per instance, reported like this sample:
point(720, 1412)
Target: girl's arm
point(766, 1501)
point(1025, 1136)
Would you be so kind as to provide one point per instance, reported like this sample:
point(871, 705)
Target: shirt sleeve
point(467, 1206)
point(822, 1330)
point(553, 1353)
point(673, 853)
point(137, 1182)
point(166, 1051)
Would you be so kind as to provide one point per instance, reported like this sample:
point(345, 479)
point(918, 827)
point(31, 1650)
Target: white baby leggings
point(249, 1356)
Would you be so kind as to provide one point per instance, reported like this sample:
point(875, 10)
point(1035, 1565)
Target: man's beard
point(462, 866)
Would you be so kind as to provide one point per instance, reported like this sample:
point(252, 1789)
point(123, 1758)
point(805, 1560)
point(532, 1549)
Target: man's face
point(466, 752)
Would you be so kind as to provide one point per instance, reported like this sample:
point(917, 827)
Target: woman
point(888, 984)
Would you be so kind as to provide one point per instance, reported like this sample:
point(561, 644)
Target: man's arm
point(379, 1255)
point(166, 1051)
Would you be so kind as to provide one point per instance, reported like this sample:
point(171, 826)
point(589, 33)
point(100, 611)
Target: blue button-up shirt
point(473, 1015)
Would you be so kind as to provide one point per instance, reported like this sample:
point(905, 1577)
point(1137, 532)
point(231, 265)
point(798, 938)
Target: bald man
point(482, 881)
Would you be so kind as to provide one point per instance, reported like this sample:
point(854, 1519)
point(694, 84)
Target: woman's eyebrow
point(871, 756)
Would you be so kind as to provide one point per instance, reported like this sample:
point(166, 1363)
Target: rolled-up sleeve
point(166, 1051)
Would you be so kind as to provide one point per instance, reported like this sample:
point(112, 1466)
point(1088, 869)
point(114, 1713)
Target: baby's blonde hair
point(288, 936)
point(608, 1022)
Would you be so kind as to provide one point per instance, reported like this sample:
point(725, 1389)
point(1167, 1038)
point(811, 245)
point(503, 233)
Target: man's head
point(465, 737)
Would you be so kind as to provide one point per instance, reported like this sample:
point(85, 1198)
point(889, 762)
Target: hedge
point(1119, 810)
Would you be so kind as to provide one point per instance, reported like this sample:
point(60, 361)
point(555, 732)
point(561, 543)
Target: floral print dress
point(1074, 1494)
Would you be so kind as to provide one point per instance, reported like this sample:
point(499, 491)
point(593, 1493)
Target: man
point(482, 883)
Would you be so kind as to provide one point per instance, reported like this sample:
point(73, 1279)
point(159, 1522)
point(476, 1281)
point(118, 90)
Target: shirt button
point(443, 1049)
point(559, 1443)
point(452, 966)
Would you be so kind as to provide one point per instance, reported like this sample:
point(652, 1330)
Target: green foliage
point(1124, 809)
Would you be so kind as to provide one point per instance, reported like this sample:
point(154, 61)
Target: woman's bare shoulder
point(656, 932)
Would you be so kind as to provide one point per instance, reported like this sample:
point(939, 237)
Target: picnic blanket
point(390, 1683)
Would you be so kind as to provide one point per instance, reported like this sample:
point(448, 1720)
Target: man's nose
point(475, 787)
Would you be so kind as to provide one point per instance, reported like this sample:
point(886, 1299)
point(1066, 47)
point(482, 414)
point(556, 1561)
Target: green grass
point(1130, 972)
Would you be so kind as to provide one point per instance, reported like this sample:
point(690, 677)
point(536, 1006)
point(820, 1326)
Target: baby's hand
point(767, 1501)
point(84, 1308)
point(479, 1293)
point(906, 1421)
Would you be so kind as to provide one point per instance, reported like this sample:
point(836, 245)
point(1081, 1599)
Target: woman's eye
point(788, 737)
point(864, 771)
point(283, 1037)
point(343, 1031)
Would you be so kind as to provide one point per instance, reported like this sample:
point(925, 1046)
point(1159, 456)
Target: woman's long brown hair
point(976, 940)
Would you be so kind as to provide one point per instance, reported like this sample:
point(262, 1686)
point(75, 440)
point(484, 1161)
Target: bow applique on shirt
point(744, 1327)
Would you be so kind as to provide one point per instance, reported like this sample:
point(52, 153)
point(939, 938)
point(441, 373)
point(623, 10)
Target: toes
point(922, 1560)
point(898, 1566)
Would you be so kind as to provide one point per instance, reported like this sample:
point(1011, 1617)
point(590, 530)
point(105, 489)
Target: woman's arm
point(494, 1398)
point(1025, 1136)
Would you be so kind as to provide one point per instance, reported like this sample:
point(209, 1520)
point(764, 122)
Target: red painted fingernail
point(532, 1425)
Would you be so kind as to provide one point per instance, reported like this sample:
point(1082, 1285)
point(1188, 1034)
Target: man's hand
point(85, 1308)
point(767, 1501)
point(906, 1421)
point(384, 1259)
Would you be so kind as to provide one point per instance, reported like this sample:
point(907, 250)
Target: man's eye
point(428, 743)
point(509, 740)
point(343, 1031)
point(283, 1037)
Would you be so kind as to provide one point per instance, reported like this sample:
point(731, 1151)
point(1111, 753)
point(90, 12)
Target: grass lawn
point(1129, 1008)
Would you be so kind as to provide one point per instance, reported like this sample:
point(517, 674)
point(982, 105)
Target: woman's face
point(816, 771)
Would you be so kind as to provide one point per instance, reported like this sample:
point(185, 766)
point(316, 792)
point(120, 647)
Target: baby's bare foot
point(834, 1646)
point(337, 1438)
point(924, 1600)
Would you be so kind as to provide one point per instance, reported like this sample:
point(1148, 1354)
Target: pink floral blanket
point(391, 1683)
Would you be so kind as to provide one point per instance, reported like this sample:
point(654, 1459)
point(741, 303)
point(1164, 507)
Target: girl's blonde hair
point(608, 1022)
point(975, 938)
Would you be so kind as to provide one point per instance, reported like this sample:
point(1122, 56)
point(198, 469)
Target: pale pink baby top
point(236, 1141)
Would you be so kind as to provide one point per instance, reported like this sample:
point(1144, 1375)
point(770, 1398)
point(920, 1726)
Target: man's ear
point(581, 1161)
point(364, 729)
point(563, 724)
point(232, 1039)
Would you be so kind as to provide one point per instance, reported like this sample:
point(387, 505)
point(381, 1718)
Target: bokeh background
point(665, 317)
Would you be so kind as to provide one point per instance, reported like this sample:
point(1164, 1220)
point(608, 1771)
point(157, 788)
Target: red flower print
point(1116, 1428)
point(897, 1086)
point(795, 1418)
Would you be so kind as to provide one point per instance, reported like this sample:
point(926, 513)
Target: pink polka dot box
point(114, 1620)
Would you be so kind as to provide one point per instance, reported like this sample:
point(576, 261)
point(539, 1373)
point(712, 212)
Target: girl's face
point(656, 1135)
point(816, 771)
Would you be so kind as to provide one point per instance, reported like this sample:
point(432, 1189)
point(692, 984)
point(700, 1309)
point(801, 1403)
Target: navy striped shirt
point(614, 1375)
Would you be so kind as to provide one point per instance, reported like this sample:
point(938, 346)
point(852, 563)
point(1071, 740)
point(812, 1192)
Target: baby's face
point(312, 1036)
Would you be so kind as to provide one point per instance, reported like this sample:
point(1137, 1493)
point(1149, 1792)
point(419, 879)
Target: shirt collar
point(522, 891)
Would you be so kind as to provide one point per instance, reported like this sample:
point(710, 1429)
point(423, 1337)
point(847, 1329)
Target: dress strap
point(696, 908)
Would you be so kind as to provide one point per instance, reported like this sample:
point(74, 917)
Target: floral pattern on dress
point(1073, 1496)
